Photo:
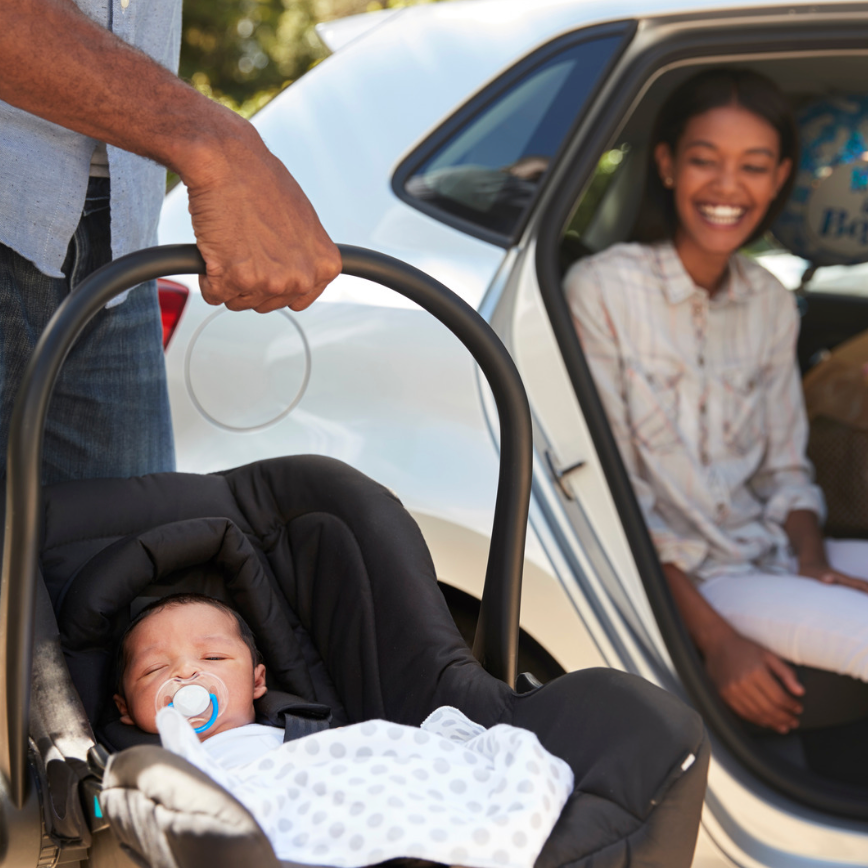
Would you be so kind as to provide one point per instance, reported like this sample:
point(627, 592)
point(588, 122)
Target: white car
point(489, 143)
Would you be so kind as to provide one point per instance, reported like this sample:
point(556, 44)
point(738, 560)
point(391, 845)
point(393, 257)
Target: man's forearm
point(58, 64)
point(262, 242)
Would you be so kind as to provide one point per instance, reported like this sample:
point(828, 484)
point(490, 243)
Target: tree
point(242, 52)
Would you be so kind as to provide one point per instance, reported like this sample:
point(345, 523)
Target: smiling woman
point(728, 137)
point(692, 347)
point(724, 173)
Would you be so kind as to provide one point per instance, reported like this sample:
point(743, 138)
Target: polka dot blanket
point(449, 791)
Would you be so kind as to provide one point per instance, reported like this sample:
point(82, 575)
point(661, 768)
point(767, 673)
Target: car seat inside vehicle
point(836, 706)
point(335, 579)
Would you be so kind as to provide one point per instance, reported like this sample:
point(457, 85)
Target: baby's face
point(178, 642)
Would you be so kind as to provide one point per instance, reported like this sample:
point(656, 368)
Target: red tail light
point(173, 297)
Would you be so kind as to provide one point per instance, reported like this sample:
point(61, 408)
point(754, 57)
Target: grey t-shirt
point(44, 168)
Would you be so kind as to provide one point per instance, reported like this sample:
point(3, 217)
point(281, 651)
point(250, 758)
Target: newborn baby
point(193, 647)
point(449, 791)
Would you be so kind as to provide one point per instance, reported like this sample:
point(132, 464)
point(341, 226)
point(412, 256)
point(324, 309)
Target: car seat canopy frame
point(496, 642)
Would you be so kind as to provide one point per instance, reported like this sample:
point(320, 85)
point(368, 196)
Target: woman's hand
point(754, 682)
point(806, 538)
point(748, 677)
point(822, 572)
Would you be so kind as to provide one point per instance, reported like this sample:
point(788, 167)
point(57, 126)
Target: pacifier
point(202, 698)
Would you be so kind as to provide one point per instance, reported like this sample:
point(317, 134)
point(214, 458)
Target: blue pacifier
point(200, 698)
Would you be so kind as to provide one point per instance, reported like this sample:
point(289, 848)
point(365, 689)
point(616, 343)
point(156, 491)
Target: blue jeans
point(109, 413)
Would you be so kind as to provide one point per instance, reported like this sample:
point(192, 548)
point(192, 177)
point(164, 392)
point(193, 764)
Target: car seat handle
point(496, 643)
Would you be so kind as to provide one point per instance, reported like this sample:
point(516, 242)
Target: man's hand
point(262, 241)
point(755, 682)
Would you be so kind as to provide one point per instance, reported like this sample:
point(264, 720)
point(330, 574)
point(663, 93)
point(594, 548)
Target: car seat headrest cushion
point(95, 609)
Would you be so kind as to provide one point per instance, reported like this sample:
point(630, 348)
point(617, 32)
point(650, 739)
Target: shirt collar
point(679, 286)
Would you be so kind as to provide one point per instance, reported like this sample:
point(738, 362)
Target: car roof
point(551, 15)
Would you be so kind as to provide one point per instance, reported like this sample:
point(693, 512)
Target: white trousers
point(800, 619)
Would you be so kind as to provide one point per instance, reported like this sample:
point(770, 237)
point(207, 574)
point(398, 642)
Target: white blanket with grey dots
point(449, 791)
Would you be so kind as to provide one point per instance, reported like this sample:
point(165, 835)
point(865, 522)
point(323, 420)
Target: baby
point(190, 639)
point(449, 791)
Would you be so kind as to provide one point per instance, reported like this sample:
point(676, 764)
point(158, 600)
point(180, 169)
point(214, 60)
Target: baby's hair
point(183, 599)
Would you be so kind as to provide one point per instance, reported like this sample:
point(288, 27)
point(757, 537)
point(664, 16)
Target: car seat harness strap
point(298, 726)
point(296, 715)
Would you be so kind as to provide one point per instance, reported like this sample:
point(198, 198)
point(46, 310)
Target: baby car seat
point(337, 584)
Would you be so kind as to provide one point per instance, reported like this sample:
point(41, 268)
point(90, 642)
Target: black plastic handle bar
point(496, 644)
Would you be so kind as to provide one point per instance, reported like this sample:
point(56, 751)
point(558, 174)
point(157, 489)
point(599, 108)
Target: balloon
point(826, 218)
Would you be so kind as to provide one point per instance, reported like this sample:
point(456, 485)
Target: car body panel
point(389, 391)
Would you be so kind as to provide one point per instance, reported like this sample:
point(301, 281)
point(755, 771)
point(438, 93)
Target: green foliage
point(243, 52)
point(603, 176)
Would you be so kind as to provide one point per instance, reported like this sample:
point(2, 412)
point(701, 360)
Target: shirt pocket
point(653, 396)
point(743, 418)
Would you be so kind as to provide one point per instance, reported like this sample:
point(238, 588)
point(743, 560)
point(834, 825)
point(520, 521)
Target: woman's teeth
point(722, 215)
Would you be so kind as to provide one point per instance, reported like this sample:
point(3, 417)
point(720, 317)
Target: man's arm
point(263, 244)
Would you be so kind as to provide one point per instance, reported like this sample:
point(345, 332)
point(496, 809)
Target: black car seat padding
point(614, 802)
point(94, 611)
point(325, 565)
point(342, 567)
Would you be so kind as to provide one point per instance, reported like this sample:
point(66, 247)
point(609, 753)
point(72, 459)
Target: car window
point(488, 171)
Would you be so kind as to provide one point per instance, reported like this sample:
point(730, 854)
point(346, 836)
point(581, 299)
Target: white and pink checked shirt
point(705, 402)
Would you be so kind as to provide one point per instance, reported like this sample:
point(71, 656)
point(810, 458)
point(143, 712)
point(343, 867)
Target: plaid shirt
point(704, 399)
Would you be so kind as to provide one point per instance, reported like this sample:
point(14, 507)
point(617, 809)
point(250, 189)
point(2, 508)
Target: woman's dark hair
point(185, 599)
point(713, 88)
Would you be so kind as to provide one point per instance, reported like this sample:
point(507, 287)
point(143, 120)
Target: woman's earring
point(668, 182)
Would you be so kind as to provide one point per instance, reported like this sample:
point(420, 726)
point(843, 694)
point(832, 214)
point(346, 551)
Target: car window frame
point(702, 36)
point(482, 101)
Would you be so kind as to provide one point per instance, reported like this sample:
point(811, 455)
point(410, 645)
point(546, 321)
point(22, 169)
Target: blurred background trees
point(242, 52)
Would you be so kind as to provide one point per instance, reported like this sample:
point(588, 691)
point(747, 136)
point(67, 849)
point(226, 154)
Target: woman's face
point(724, 175)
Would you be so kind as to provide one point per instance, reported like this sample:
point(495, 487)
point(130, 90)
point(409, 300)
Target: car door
point(581, 483)
point(479, 173)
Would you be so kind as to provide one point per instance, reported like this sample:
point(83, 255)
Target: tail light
point(173, 297)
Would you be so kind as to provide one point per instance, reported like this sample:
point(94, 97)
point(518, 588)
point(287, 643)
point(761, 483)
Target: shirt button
point(701, 361)
point(706, 460)
point(125, 3)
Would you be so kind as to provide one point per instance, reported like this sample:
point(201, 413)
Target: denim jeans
point(109, 413)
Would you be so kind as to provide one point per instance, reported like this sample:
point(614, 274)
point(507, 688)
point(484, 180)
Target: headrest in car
point(206, 555)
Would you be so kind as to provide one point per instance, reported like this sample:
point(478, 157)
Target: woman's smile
point(726, 216)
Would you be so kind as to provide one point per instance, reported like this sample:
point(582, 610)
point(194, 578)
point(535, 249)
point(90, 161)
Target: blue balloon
point(826, 218)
